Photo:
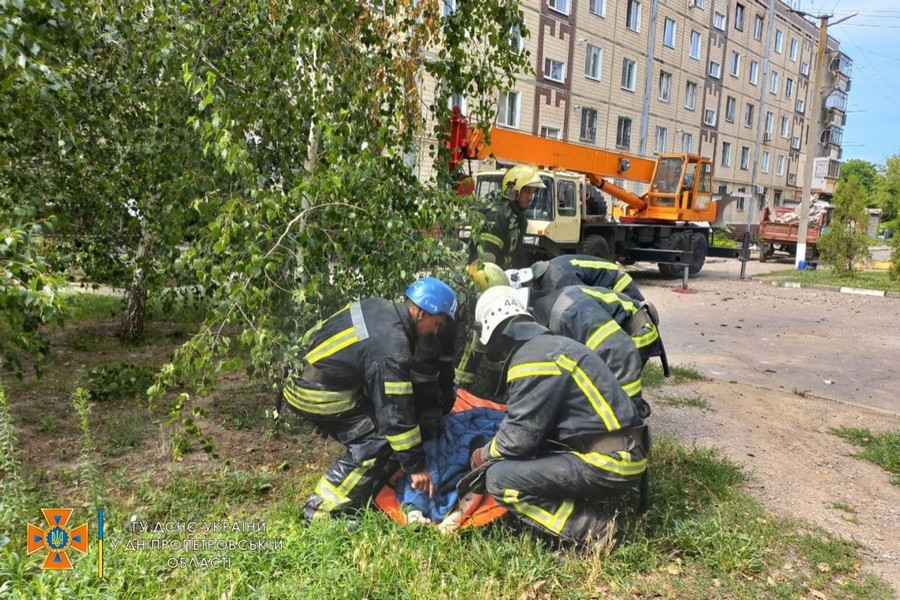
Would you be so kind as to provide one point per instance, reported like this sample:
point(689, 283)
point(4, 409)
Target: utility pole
point(759, 125)
point(814, 110)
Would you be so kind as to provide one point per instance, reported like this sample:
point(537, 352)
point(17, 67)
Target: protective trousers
point(553, 493)
point(350, 481)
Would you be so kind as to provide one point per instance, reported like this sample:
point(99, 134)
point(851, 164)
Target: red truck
point(774, 236)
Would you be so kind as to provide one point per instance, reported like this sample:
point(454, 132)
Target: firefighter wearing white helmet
point(571, 435)
point(504, 217)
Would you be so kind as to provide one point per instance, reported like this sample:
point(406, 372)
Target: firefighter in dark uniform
point(607, 323)
point(583, 269)
point(356, 386)
point(504, 219)
point(571, 435)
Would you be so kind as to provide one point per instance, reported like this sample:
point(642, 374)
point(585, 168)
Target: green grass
point(867, 280)
point(652, 376)
point(882, 449)
point(702, 537)
point(678, 401)
point(848, 513)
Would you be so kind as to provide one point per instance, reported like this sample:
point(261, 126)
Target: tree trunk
point(136, 295)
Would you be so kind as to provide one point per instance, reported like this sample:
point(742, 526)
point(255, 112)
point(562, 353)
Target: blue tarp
point(448, 459)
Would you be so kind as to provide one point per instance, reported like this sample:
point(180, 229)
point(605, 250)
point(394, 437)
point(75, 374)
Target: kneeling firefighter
point(571, 435)
point(356, 385)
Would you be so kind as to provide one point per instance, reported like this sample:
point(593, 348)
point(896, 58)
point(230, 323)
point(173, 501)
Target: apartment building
point(726, 79)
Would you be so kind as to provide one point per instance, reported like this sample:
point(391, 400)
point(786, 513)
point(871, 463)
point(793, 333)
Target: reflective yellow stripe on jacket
point(610, 298)
point(619, 462)
point(600, 334)
point(406, 440)
point(587, 387)
point(319, 402)
point(334, 496)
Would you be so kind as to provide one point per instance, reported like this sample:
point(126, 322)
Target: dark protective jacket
point(595, 317)
point(563, 397)
point(362, 354)
point(502, 233)
point(583, 269)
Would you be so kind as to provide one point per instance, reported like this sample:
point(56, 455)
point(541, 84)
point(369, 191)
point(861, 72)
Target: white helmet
point(519, 277)
point(495, 306)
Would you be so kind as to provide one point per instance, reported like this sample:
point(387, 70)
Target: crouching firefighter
point(571, 435)
point(356, 385)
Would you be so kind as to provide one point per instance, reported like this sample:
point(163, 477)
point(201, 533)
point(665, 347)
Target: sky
point(870, 39)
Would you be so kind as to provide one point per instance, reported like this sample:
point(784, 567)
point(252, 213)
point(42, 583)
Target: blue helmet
point(433, 296)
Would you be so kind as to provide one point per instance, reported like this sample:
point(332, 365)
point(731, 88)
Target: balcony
point(841, 64)
point(826, 172)
point(836, 99)
point(832, 136)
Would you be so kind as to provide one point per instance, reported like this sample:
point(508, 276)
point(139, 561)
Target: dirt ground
point(771, 353)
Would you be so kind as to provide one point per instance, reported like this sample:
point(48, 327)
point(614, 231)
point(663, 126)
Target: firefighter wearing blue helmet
point(356, 385)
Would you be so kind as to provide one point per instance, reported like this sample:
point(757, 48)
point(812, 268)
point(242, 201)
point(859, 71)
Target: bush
point(120, 380)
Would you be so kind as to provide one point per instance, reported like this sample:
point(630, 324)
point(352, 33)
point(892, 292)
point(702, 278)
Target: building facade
point(725, 79)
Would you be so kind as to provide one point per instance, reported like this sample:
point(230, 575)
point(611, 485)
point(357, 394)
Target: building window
point(804, 68)
point(588, 125)
point(735, 63)
point(623, 132)
point(745, 158)
point(662, 139)
point(788, 88)
point(801, 105)
point(696, 37)
point(508, 113)
point(457, 100)
point(593, 62)
point(447, 7)
point(719, 21)
point(779, 41)
point(779, 165)
point(551, 133)
point(687, 143)
point(742, 191)
point(633, 15)
point(777, 198)
point(795, 142)
point(690, 95)
point(665, 86)
point(773, 83)
point(709, 117)
point(629, 74)
point(785, 125)
point(715, 69)
point(757, 27)
point(669, 33)
point(560, 6)
point(515, 38)
point(698, 3)
point(729, 109)
point(726, 154)
point(793, 51)
point(598, 7)
point(554, 70)
point(754, 72)
point(748, 115)
point(770, 124)
point(765, 162)
point(739, 17)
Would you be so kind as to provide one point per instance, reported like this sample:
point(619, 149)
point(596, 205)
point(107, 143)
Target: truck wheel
point(676, 241)
point(596, 245)
point(763, 252)
point(698, 251)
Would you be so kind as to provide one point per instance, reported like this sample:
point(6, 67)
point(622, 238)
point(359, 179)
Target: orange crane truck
point(669, 224)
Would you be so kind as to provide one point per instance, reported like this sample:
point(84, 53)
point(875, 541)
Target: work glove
point(478, 458)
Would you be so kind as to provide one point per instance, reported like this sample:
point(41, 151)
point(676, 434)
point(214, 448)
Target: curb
point(835, 288)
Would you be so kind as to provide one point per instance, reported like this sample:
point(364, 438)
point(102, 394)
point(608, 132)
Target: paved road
point(824, 343)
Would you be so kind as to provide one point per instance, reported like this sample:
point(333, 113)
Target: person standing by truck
point(504, 219)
